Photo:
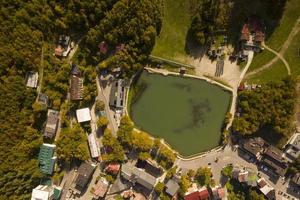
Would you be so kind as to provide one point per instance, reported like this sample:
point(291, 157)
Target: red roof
point(259, 36)
point(113, 168)
point(245, 34)
point(204, 194)
point(59, 50)
point(221, 192)
point(192, 196)
point(103, 47)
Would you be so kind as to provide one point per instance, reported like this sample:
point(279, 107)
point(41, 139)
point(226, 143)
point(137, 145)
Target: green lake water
point(188, 113)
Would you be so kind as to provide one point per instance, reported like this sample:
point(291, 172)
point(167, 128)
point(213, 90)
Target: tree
point(204, 176)
point(72, 144)
point(253, 195)
point(171, 172)
point(125, 131)
point(141, 141)
point(184, 185)
point(99, 106)
point(113, 150)
point(159, 187)
point(102, 122)
point(144, 156)
point(227, 171)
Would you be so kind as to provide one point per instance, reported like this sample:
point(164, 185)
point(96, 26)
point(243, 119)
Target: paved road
point(225, 157)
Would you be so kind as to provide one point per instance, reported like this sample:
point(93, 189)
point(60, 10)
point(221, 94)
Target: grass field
point(292, 55)
point(278, 37)
point(261, 59)
point(170, 44)
point(276, 72)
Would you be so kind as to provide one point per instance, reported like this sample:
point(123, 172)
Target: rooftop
point(42, 192)
point(254, 145)
point(93, 145)
point(172, 187)
point(100, 189)
point(85, 173)
point(76, 88)
point(51, 124)
point(46, 158)
point(32, 79)
point(83, 115)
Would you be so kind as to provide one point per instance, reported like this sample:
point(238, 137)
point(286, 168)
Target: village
point(141, 179)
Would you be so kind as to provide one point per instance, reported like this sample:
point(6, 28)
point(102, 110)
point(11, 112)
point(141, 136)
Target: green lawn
point(292, 55)
point(170, 44)
point(278, 37)
point(276, 72)
point(261, 59)
point(290, 16)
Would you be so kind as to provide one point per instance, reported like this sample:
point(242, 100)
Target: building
point(46, 158)
point(63, 47)
point(51, 124)
point(292, 150)
point(113, 168)
point(138, 176)
point(84, 175)
point(83, 115)
point(152, 168)
point(219, 193)
point(76, 84)
point(266, 189)
point(273, 159)
point(296, 179)
point(201, 194)
point(118, 94)
point(254, 147)
point(44, 99)
point(94, 146)
point(45, 192)
point(32, 79)
point(172, 187)
point(252, 35)
point(100, 189)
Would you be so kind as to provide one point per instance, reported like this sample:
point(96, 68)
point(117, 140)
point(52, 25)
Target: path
point(41, 73)
point(171, 62)
point(280, 54)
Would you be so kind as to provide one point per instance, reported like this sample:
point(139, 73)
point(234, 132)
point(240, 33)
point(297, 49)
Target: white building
point(32, 79)
point(94, 146)
point(83, 115)
point(42, 192)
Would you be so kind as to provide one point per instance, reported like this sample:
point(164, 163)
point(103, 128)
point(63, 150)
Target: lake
point(187, 113)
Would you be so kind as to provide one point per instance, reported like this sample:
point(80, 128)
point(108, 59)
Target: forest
point(270, 106)
point(28, 33)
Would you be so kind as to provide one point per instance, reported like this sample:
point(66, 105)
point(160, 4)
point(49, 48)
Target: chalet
point(138, 176)
point(118, 94)
point(252, 35)
point(273, 159)
point(47, 159)
point(32, 79)
point(51, 124)
point(76, 84)
point(292, 150)
point(254, 146)
point(93, 146)
point(45, 192)
point(245, 33)
point(100, 189)
point(63, 47)
point(84, 175)
point(172, 187)
point(83, 115)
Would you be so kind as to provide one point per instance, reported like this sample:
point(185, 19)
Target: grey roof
point(144, 178)
point(172, 187)
point(117, 94)
point(51, 125)
point(296, 179)
point(126, 171)
point(85, 173)
point(44, 99)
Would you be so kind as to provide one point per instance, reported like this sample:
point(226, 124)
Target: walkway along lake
point(188, 113)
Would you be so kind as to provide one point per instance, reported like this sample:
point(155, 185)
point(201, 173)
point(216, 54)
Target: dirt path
point(280, 54)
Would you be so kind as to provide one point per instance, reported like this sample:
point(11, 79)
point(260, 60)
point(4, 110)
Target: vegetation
point(99, 106)
point(204, 177)
point(113, 150)
point(227, 171)
point(184, 184)
point(159, 187)
point(72, 144)
point(272, 105)
point(102, 122)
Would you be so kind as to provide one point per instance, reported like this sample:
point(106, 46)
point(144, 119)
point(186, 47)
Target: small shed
point(83, 115)
point(32, 79)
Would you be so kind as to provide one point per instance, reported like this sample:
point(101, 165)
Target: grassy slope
point(292, 57)
point(176, 21)
point(276, 40)
point(276, 72)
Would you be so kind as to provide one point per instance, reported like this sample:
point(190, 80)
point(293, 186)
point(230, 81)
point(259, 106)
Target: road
point(225, 157)
point(103, 95)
